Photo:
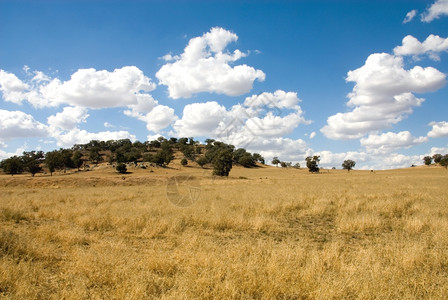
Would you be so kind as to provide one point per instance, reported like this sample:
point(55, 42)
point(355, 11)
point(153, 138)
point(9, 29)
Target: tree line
point(159, 152)
point(439, 159)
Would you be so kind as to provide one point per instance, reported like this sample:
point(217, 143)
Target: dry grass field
point(262, 233)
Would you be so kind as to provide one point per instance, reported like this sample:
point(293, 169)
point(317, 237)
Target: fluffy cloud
point(329, 159)
point(86, 88)
point(437, 150)
point(368, 161)
point(409, 16)
point(160, 117)
point(279, 99)
point(17, 124)
point(285, 148)
point(266, 115)
point(89, 88)
point(68, 118)
point(19, 151)
point(437, 9)
point(390, 141)
point(78, 136)
point(12, 88)
point(432, 46)
point(439, 129)
point(201, 119)
point(98, 89)
point(382, 96)
point(206, 67)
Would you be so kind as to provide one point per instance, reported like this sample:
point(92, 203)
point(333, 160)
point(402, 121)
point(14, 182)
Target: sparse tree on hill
point(348, 164)
point(77, 159)
point(275, 161)
point(201, 161)
point(121, 168)
point(54, 160)
point(437, 158)
point(246, 160)
point(12, 165)
point(32, 160)
point(296, 166)
point(312, 163)
point(427, 160)
point(222, 162)
point(444, 161)
point(259, 158)
point(95, 155)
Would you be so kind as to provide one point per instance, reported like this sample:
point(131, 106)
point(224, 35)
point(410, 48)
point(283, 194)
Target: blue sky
point(361, 80)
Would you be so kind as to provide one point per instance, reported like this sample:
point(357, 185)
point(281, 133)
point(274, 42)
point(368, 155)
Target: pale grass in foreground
point(264, 233)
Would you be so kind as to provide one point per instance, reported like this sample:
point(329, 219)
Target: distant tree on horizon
point(437, 158)
point(121, 168)
point(12, 165)
point(312, 163)
point(348, 164)
point(275, 161)
point(444, 161)
point(427, 160)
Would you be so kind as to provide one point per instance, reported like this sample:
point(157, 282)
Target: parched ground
point(262, 233)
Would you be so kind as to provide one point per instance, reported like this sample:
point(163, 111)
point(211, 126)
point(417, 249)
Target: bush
point(121, 168)
point(202, 161)
point(184, 162)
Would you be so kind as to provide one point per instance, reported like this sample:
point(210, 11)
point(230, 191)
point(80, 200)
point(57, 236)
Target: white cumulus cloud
point(17, 124)
point(12, 88)
point(69, 118)
point(85, 88)
point(382, 96)
point(435, 11)
point(201, 119)
point(78, 136)
point(205, 66)
point(99, 89)
point(390, 141)
point(439, 129)
point(431, 46)
point(266, 115)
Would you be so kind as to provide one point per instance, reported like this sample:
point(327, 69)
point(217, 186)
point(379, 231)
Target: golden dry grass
point(263, 233)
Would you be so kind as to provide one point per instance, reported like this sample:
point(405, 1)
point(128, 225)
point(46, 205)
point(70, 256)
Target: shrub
point(121, 168)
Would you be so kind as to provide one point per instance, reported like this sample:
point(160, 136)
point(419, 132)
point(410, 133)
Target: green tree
point(437, 158)
point(67, 158)
point(54, 160)
point(184, 162)
point(164, 156)
point(95, 155)
point(296, 166)
point(121, 168)
point(201, 161)
point(13, 165)
point(32, 160)
point(275, 161)
point(427, 160)
point(348, 164)
point(247, 160)
point(187, 151)
point(312, 163)
point(444, 161)
point(259, 158)
point(222, 162)
point(77, 159)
